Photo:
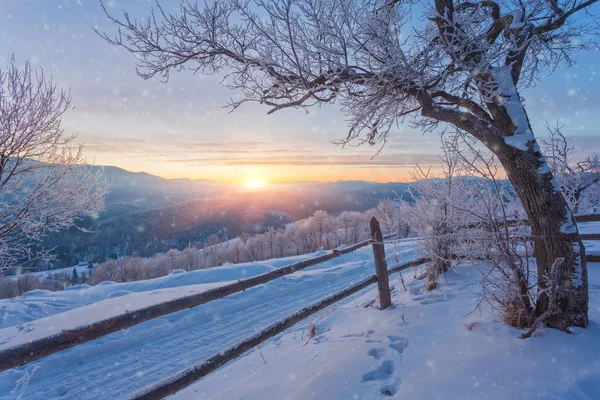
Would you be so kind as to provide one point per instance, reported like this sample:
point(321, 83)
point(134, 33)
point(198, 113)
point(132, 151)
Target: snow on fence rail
point(38, 348)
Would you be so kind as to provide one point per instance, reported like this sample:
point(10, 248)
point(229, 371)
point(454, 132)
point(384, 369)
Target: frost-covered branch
point(301, 53)
point(45, 184)
point(575, 178)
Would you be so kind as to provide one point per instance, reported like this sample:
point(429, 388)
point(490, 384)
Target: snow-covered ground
point(117, 365)
point(358, 352)
point(429, 345)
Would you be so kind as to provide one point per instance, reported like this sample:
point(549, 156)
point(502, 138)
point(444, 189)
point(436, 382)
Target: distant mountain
point(134, 191)
point(147, 214)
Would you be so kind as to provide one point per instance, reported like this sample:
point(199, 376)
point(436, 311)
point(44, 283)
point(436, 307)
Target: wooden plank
point(593, 258)
point(513, 222)
point(407, 265)
point(26, 353)
point(590, 236)
point(587, 218)
point(383, 284)
point(190, 375)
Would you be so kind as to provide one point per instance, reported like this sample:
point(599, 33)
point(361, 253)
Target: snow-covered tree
point(346, 221)
point(468, 212)
point(45, 184)
point(573, 177)
point(460, 63)
point(388, 215)
point(495, 234)
point(439, 212)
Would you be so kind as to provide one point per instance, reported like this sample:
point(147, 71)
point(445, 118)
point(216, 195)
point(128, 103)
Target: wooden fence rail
point(578, 218)
point(34, 350)
point(587, 217)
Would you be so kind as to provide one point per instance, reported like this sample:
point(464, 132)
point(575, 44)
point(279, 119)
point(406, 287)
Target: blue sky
point(179, 128)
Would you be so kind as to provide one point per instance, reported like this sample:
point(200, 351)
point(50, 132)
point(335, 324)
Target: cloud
point(318, 160)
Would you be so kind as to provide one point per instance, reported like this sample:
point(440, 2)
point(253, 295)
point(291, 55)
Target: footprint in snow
point(376, 352)
point(389, 389)
point(359, 334)
point(382, 373)
point(320, 339)
point(434, 298)
point(398, 343)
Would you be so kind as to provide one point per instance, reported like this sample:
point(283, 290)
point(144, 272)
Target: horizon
point(180, 129)
point(265, 183)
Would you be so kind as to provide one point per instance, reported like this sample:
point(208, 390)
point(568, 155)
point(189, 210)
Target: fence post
point(383, 284)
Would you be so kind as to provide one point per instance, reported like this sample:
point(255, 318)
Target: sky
point(180, 129)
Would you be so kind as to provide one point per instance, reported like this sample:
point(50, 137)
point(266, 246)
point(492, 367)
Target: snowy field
point(427, 346)
point(358, 352)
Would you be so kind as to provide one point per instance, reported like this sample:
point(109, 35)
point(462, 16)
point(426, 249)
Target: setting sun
point(254, 184)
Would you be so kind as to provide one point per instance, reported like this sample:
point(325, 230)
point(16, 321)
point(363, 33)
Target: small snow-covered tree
point(257, 247)
point(238, 250)
point(45, 184)
point(495, 234)
point(573, 177)
point(27, 282)
point(388, 214)
point(193, 259)
point(270, 238)
point(281, 244)
point(318, 226)
point(440, 211)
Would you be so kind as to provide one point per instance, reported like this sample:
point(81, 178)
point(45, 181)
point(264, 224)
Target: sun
point(254, 184)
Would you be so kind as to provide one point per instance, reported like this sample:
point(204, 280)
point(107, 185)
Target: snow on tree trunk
point(555, 235)
point(552, 222)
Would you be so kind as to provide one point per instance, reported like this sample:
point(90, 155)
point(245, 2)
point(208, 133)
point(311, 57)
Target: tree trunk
point(506, 131)
point(555, 234)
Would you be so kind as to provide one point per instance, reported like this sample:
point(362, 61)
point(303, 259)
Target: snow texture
point(515, 109)
point(427, 346)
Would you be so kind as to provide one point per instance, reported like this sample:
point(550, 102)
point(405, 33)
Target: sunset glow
point(254, 184)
